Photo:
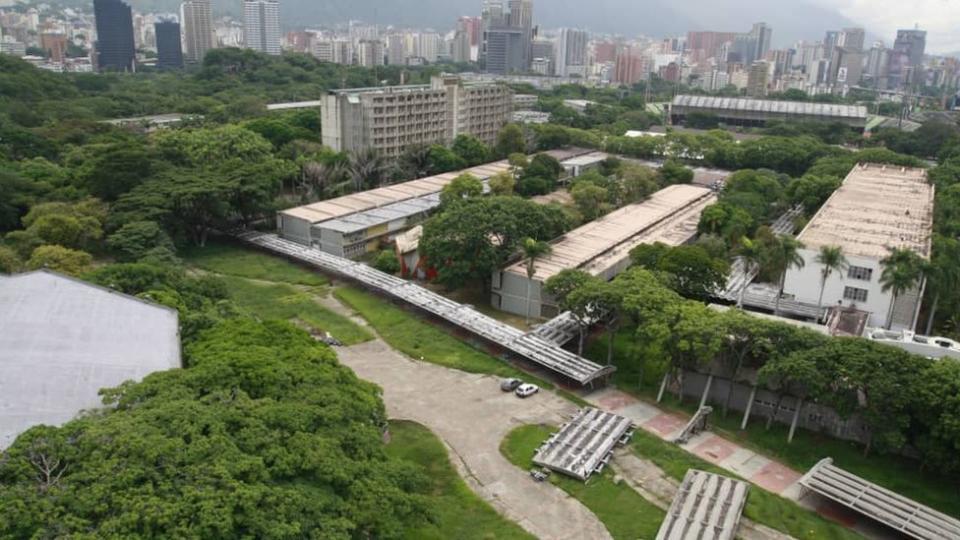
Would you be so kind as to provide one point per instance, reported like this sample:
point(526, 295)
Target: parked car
point(526, 390)
point(509, 385)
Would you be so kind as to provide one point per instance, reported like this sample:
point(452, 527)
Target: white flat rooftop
point(62, 340)
point(877, 207)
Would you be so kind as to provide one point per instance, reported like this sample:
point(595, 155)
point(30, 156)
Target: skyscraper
point(169, 53)
point(906, 58)
point(761, 34)
point(758, 78)
point(197, 29)
point(115, 48)
point(507, 36)
point(370, 53)
point(261, 25)
point(571, 50)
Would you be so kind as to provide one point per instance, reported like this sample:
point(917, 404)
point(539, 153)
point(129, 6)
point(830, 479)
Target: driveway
point(472, 416)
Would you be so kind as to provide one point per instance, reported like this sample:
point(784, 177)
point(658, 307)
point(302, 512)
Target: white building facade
point(261, 25)
point(876, 209)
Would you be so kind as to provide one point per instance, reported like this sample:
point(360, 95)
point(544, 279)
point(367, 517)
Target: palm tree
point(832, 259)
point(367, 169)
point(532, 250)
point(784, 255)
point(902, 271)
point(942, 273)
point(415, 161)
point(751, 253)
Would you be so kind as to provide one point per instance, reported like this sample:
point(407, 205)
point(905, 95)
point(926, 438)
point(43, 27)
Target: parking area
point(472, 416)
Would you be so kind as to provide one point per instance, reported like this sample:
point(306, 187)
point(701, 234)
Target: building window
point(855, 294)
point(859, 272)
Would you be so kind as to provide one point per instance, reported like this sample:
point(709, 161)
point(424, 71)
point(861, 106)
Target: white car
point(526, 390)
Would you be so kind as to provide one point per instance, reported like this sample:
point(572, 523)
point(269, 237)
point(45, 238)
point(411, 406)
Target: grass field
point(896, 473)
point(417, 338)
point(762, 506)
point(231, 259)
point(458, 511)
point(273, 288)
point(619, 507)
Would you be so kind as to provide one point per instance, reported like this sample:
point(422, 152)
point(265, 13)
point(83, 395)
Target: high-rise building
point(396, 50)
point(169, 52)
point(55, 45)
point(507, 36)
point(544, 56)
point(460, 50)
point(875, 72)
point(758, 78)
point(337, 51)
point(115, 47)
point(631, 67)
point(197, 29)
point(852, 38)
point(906, 58)
point(571, 50)
point(370, 53)
point(390, 119)
point(261, 25)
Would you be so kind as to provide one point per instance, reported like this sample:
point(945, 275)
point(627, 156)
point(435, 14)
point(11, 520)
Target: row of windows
point(855, 294)
point(859, 272)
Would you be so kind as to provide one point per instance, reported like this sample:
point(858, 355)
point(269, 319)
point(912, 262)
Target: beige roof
point(374, 198)
point(878, 207)
point(669, 216)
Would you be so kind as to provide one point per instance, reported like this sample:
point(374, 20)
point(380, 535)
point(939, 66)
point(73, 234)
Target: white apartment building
point(197, 29)
point(370, 53)
point(390, 119)
point(261, 25)
point(877, 208)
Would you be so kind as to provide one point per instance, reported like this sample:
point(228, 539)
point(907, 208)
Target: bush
point(387, 262)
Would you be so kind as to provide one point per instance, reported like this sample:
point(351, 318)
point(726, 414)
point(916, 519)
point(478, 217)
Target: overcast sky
point(940, 18)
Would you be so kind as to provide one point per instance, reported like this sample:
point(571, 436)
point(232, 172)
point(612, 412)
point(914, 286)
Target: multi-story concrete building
point(169, 52)
point(906, 58)
point(758, 79)
point(370, 53)
point(389, 119)
point(876, 209)
point(197, 29)
point(602, 247)
point(261, 25)
point(571, 50)
point(115, 44)
point(507, 36)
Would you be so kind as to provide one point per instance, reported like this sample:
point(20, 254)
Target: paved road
point(472, 415)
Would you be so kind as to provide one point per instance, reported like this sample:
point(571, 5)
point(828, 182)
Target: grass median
point(762, 506)
point(231, 259)
point(458, 512)
point(623, 511)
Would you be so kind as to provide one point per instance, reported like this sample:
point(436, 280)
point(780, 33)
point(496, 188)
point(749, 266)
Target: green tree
point(116, 169)
point(902, 271)
point(10, 262)
point(464, 187)
point(443, 159)
point(387, 262)
point(590, 199)
point(942, 273)
point(60, 259)
point(502, 184)
point(532, 250)
point(471, 150)
point(832, 259)
point(136, 239)
point(811, 191)
point(782, 255)
point(695, 274)
point(673, 172)
point(367, 170)
point(752, 254)
point(510, 140)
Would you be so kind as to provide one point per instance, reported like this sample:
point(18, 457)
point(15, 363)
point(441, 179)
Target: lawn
point(896, 473)
point(416, 338)
point(762, 506)
point(458, 511)
point(284, 301)
point(232, 259)
point(623, 511)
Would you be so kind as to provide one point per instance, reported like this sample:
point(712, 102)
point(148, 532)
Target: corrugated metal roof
point(583, 446)
point(62, 340)
point(805, 108)
point(707, 507)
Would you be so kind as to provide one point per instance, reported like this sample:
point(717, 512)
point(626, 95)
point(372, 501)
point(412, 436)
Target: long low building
point(359, 223)
point(876, 209)
point(602, 247)
point(758, 112)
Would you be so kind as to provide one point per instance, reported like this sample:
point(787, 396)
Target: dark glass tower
point(169, 53)
point(115, 47)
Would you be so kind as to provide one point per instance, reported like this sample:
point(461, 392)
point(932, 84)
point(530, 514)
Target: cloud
point(884, 17)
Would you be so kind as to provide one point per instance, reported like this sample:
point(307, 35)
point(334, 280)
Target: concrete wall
point(509, 293)
point(804, 285)
point(294, 228)
point(813, 417)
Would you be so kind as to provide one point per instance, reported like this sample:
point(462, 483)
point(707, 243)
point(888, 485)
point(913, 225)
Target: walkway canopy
point(707, 507)
point(896, 511)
